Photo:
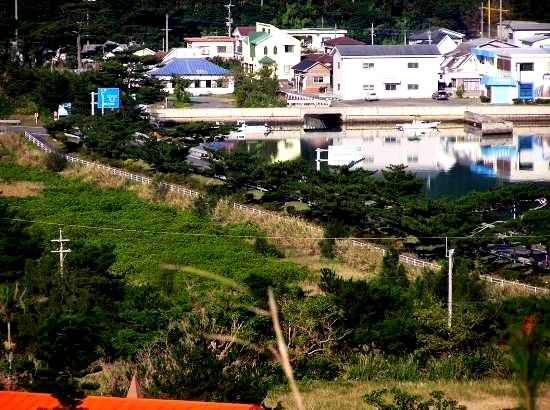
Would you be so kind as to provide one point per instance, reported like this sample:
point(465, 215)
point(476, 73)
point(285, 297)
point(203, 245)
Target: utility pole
point(450, 302)
point(490, 10)
point(61, 251)
point(78, 55)
point(430, 35)
point(16, 29)
point(481, 31)
point(229, 19)
point(166, 30)
point(371, 34)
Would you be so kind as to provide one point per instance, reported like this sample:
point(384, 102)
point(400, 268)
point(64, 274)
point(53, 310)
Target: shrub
point(55, 162)
point(484, 99)
point(460, 91)
point(402, 400)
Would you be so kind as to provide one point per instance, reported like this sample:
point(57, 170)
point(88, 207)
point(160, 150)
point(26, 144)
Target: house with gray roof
point(515, 31)
point(536, 41)
point(206, 77)
point(390, 71)
point(446, 40)
point(461, 68)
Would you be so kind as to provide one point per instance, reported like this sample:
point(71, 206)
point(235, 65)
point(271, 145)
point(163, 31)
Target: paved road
point(407, 102)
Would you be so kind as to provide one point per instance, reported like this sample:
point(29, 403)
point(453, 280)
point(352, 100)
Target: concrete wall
point(350, 115)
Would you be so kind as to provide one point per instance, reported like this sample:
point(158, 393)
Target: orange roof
point(12, 400)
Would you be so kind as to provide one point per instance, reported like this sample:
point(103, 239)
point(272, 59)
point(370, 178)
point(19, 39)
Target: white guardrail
point(409, 260)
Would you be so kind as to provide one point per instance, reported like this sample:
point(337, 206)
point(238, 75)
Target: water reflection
point(453, 161)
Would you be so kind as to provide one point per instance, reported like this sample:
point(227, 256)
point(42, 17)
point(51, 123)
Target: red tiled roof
point(321, 58)
point(209, 39)
point(246, 30)
point(342, 41)
point(10, 400)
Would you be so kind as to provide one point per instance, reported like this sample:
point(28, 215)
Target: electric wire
point(196, 234)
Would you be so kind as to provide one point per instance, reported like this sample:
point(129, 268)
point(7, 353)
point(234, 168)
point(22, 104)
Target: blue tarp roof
point(189, 66)
point(482, 52)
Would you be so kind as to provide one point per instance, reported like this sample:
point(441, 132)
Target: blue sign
point(108, 98)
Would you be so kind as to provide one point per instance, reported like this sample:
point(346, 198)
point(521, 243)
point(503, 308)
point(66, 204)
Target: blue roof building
point(205, 76)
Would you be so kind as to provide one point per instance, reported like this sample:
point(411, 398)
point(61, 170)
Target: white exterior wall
point(316, 36)
point(203, 89)
point(468, 69)
point(283, 60)
point(446, 45)
point(350, 76)
point(515, 37)
point(539, 44)
point(210, 48)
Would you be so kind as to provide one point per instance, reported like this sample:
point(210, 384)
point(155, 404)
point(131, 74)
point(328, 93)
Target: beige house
point(313, 75)
point(213, 46)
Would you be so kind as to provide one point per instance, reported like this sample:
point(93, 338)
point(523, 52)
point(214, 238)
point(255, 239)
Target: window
point(503, 64)
point(526, 67)
point(318, 79)
point(325, 39)
point(265, 51)
point(338, 65)
point(368, 66)
point(197, 83)
point(368, 87)
point(412, 86)
point(222, 49)
point(510, 36)
point(289, 49)
point(412, 158)
point(287, 69)
point(338, 86)
point(208, 84)
point(412, 65)
point(391, 87)
point(205, 50)
point(275, 50)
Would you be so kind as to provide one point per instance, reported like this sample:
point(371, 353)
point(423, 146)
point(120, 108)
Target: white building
point(270, 46)
point(407, 71)
point(206, 77)
point(514, 73)
point(182, 52)
point(213, 46)
point(313, 38)
point(446, 40)
point(516, 30)
point(461, 68)
point(239, 34)
point(536, 41)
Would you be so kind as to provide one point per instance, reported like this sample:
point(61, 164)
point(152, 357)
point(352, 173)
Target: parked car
point(371, 96)
point(440, 95)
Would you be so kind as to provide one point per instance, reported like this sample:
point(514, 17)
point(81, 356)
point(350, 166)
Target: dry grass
point(364, 260)
point(316, 262)
point(24, 154)
point(478, 395)
point(20, 189)
point(285, 231)
point(95, 176)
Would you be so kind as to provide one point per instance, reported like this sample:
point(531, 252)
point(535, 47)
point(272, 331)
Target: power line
point(156, 232)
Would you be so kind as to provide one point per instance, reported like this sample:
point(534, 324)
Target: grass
point(144, 234)
point(478, 395)
point(20, 189)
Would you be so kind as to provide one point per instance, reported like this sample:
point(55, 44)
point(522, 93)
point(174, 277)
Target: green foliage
point(402, 400)
point(484, 99)
point(460, 91)
point(258, 89)
point(180, 86)
point(6, 105)
point(528, 361)
point(55, 162)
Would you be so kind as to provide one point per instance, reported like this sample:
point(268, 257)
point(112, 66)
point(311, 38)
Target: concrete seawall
point(351, 115)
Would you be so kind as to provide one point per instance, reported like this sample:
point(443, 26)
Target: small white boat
point(418, 125)
point(245, 129)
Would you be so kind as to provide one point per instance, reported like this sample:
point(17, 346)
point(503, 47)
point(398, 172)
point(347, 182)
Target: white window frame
point(412, 87)
point(368, 66)
point(368, 87)
point(412, 64)
point(316, 79)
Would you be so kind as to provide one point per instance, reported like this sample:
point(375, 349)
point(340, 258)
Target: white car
point(371, 96)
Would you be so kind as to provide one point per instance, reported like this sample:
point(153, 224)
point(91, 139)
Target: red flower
point(528, 324)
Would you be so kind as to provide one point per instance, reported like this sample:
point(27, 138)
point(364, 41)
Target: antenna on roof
point(229, 19)
point(430, 35)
